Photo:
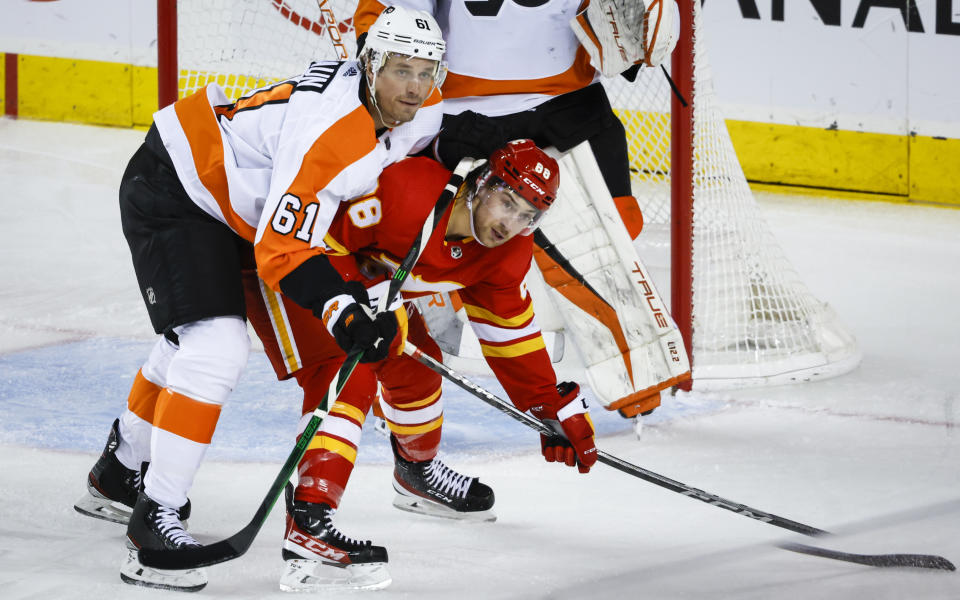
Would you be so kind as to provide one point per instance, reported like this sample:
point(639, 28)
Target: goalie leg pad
point(638, 404)
point(640, 351)
point(630, 214)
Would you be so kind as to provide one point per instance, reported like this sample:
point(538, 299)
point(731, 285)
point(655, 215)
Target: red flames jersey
point(379, 229)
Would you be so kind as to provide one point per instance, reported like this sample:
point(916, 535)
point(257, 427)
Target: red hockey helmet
point(530, 172)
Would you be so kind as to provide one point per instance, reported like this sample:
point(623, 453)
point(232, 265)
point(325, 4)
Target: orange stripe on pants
point(143, 397)
point(186, 417)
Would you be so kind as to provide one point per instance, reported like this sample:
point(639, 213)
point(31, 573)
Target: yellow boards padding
point(3, 88)
point(144, 95)
point(86, 91)
point(921, 168)
point(935, 170)
point(822, 158)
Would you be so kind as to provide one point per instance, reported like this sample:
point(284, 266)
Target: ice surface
point(873, 456)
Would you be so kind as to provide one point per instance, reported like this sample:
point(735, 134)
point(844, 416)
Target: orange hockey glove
point(573, 443)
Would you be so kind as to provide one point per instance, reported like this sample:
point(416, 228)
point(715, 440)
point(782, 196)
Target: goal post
point(167, 65)
point(745, 315)
point(681, 188)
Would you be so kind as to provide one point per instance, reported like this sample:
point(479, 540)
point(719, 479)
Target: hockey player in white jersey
point(212, 178)
point(532, 69)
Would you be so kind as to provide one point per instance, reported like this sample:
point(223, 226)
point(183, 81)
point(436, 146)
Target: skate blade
point(638, 426)
point(132, 572)
point(303, 575)
point(102, 508)
point(422, 506)
point(381, 427)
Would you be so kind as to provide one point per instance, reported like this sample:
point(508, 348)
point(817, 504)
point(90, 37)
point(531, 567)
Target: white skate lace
point(168, 522)
point(446, 479)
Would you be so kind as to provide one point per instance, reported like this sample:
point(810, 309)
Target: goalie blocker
point(619, 34)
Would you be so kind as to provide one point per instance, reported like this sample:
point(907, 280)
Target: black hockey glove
point(468, 134)
point(350, 320)
point(344, 308)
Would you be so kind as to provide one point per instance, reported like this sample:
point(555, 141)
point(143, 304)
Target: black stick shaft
point(610, 460)
point(237, 544)
point(882, 560)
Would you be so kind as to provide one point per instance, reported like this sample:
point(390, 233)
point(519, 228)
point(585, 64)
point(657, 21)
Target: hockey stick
point(541, 240)
point(923, 561)
point(236, 545)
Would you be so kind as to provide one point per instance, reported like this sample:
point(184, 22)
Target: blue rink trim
point(64, 397)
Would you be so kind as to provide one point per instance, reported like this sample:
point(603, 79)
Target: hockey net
point(753, 321)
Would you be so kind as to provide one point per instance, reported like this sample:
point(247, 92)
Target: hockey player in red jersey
point(213, 178)
point(519, 70)
point(482, 247)
point(532, 75)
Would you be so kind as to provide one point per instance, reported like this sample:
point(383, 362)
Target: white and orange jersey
point(380, 228)
point(503, 56)
point(275, 165)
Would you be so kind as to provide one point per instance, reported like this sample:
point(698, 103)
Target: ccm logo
point(731, 506)
point(316, 547)
point(532, 185)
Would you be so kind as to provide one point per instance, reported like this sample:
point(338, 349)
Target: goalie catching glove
point(353, 324)
point(618, 34)
point(573, 443)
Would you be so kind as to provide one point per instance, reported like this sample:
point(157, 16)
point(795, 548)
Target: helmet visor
point(405, 68)
point(509, 208)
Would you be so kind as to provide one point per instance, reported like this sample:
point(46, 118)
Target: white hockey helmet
point(405, 31)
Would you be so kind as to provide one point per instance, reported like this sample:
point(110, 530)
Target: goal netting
point(753, 320)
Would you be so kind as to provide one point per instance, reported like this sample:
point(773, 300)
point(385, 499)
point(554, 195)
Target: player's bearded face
point(500, 215)
point(403, 84)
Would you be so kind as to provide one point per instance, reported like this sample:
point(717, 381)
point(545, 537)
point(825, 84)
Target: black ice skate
point(433, 488)
point(112, 488)
point(156, 526)
point(318, 557)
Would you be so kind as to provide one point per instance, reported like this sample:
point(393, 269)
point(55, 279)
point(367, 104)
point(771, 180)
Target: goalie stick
point(236, 545)
point(541, 240)
point(922, 561)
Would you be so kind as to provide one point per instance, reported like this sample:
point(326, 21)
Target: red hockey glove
point(575, 446)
